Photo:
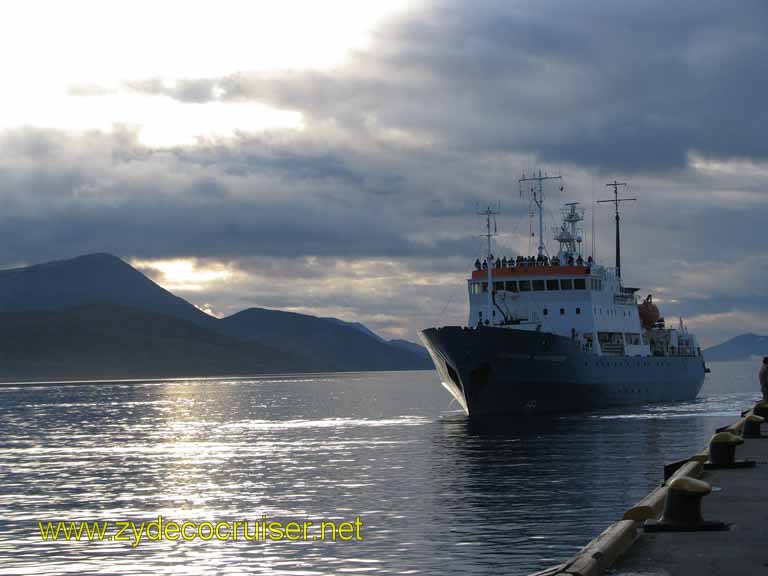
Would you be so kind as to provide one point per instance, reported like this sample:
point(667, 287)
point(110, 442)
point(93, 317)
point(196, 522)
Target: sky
point(329, 157)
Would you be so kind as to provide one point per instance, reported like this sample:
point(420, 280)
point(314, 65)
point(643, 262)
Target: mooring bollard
point(761, 409)
point(682, 508)
point(722, 452)
point(752, 427)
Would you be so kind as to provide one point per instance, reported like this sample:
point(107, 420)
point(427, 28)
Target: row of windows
point(533, 285)
point(635, 363)
point(562, 311)
point(578, 311)
point(611, 311)
point(632, 339)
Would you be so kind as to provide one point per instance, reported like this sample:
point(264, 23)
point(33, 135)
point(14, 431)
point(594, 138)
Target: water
point(436, 493)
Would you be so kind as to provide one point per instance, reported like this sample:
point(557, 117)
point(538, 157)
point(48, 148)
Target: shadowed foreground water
point(437, 493)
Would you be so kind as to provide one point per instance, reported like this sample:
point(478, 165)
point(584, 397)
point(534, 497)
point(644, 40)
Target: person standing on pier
point(763, 377)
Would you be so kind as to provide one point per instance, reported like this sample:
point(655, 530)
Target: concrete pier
point(739, 498)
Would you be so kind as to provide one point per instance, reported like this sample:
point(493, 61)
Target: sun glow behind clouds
point(48, 47)
point(187, 274)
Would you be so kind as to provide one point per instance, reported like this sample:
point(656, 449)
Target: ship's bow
point(445, 363)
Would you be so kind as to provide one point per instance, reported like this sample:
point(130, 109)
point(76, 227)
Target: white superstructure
point(570, 296)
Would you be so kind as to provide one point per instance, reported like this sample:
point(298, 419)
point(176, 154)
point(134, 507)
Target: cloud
point(367, 212)
point(733, 322)
point(630, 87)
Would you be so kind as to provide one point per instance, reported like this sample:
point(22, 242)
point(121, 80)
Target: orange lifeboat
point(649, 313)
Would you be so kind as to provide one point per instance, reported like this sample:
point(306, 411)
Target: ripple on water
point(437, 493)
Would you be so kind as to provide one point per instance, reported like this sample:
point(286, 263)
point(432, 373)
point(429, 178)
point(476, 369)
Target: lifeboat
point(649, 313)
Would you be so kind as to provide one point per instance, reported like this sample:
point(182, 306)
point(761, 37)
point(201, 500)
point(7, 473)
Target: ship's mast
point(615, 202)
point(569, 234)
point(489, 234)
point(537, 194)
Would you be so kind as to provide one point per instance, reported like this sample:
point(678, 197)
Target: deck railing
point(613, 349)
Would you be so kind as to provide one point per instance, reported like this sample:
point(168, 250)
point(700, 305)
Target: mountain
point(739, 348)
point(97, 316)
point(88, 279)
point(108, 341)
point(357, 326)
point(410, 346)
point(319, 338)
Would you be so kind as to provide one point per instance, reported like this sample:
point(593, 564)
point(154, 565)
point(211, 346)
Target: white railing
point(612, 348)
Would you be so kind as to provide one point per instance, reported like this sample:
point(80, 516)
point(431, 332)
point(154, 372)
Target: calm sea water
point(437, 494)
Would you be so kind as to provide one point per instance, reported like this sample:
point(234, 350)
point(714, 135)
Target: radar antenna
point(615, 202)
point(537, 194)
point(490, 232)
point(569, 234)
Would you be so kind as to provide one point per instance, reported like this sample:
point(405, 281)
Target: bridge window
point(578, 310)
point(498, 286)
point(546, 311)
point(580, 284)
point(566, 284)
point(538, 285)
point(553, 285)
point(525, 285)
point(562, 311)
point(632, 339)
point(511, 286)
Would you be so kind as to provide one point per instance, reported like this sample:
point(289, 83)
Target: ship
point(560, 333)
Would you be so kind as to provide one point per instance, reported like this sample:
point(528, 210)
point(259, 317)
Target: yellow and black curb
point(601, 553)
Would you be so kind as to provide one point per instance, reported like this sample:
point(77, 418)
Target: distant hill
point(97, 316)
point(320, 338)
point(108, 341)
point(87, 279)
point(357, 326)
point(410, 346)
point(397, 343)
point(739, 348)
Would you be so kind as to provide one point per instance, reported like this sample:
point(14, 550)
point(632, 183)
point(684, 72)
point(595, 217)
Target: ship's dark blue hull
point(492, 370)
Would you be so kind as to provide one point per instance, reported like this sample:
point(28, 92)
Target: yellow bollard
point(682, 508)
point(752, 427)
point(722, 452)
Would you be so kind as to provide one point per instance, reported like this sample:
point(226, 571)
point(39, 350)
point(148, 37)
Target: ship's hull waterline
point(496, 371)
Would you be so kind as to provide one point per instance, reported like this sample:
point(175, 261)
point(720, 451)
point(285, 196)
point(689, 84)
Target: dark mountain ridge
point(317, 339)
point(741, 347)
point(88, 279)
point(410, 346)
point(95, 316)
point(104, 341)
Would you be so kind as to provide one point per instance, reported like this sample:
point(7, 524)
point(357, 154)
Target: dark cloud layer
point(627, 86)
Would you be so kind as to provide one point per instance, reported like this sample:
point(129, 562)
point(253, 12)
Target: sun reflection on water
point(437, 493)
